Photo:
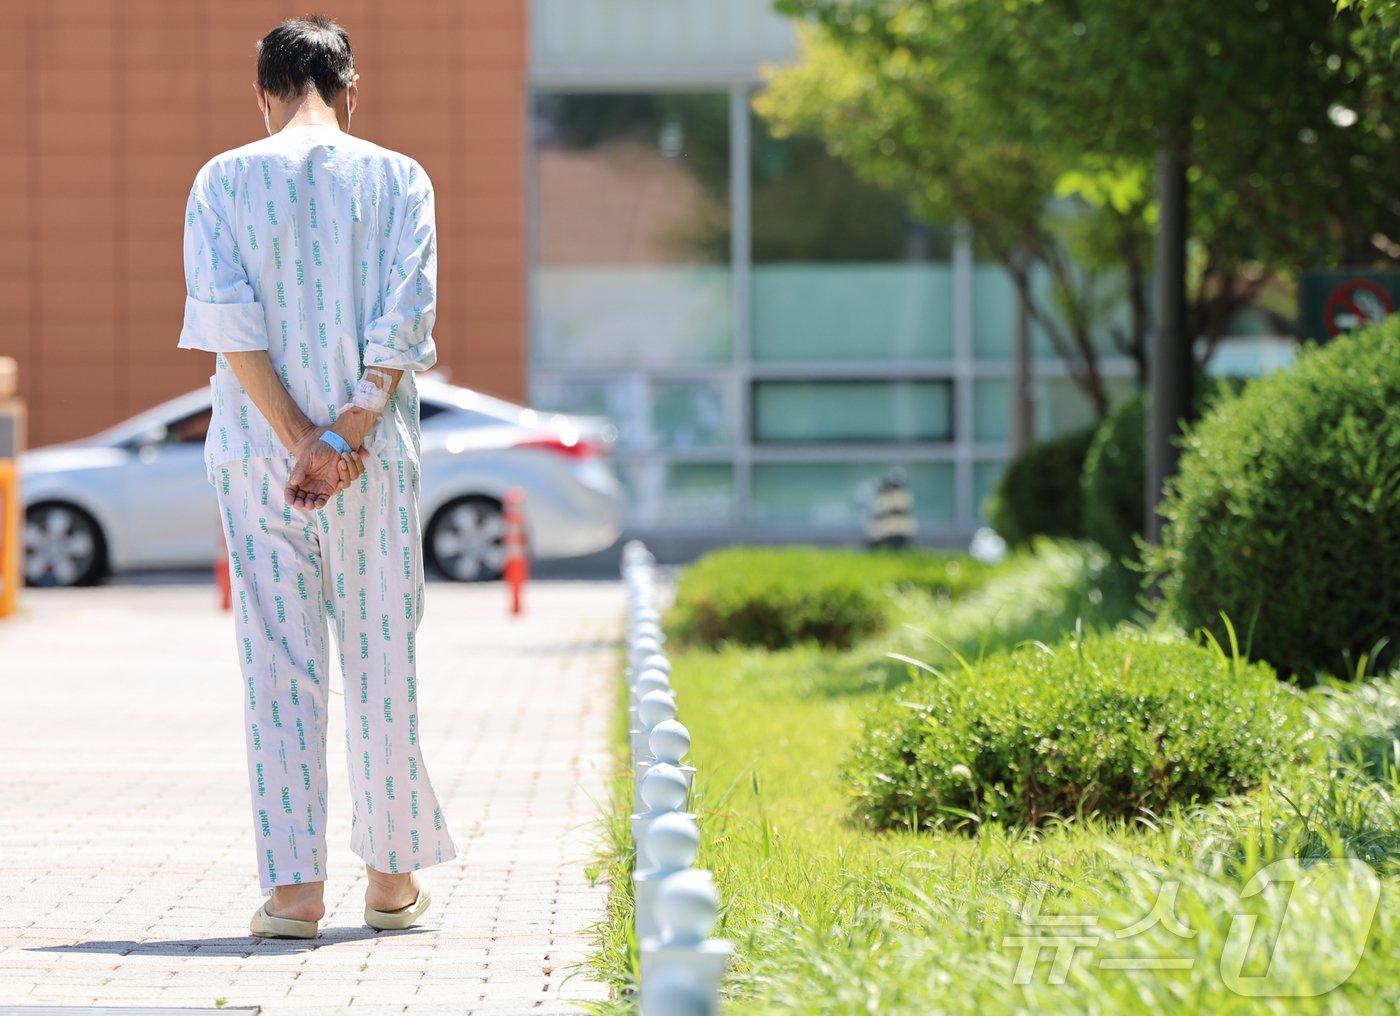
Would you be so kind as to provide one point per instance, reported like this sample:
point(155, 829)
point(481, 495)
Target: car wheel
point(466, 540)
point(63, 546)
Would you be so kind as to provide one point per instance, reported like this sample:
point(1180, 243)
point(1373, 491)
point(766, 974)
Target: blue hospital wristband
point(337, 442)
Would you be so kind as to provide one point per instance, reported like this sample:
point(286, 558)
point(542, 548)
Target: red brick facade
point(112, 105)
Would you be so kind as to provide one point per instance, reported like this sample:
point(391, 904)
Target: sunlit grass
point(829, 917)
point(832, 918)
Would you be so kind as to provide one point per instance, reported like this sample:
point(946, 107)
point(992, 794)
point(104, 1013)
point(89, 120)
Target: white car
point(136, 496)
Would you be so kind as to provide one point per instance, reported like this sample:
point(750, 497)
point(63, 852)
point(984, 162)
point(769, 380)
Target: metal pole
point(1170, 361)
point(1022, 421)
point(964, 365)
point(741, 281)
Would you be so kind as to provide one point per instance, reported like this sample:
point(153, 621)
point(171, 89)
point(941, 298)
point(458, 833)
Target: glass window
point(678, 495)
point(1062, 406)
point(816, 411)
point(189, 429)
point(632, 196)
point(839, 494)
point(690, 414)
point(995, 306)
point(852, 312)
point(985, 476)
point(809, 206)
point(1058, 405)
point(991, 410)
point(649, 413)
point(427, 409)
point(841, 271)
point(631, 315)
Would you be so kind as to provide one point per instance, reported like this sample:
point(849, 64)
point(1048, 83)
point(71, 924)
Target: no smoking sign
point(1355, 303)
point(1333, 303)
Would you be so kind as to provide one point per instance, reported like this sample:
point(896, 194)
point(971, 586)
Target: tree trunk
point(1022, 411)
point(1171, 366)
point(1141, 311)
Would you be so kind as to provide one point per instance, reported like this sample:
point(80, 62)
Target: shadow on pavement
point(241, 945)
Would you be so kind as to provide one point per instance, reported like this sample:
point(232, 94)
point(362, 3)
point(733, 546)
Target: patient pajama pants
point(358, 563)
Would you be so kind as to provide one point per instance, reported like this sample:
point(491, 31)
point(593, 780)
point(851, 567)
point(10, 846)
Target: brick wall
point(112, 105)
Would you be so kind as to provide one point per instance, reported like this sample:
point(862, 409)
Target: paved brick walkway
point(126, 873)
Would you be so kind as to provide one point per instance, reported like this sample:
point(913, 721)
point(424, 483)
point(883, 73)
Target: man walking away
point(311, 264)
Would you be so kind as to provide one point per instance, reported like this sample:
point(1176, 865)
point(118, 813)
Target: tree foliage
point(903, 107)
point(1374, 12)
point(989, 110)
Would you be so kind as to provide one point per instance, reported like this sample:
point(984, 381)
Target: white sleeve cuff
point(416, 357)
point(223, 327)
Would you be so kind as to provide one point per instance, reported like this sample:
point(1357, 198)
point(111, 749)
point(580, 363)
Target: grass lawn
point(831, 917)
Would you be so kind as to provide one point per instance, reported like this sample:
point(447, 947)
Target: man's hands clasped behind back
point(320, 472)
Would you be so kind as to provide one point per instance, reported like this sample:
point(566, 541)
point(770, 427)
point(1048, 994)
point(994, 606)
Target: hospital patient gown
point(320, 248)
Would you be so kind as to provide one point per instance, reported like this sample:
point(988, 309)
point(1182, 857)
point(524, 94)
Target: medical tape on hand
point(368, 394)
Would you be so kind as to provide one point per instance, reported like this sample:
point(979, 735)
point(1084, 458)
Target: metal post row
point(676, 904)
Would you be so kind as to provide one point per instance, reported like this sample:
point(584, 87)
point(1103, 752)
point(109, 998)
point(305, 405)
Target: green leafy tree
point(1380, 13)
point(984, 110)
point(911, 119)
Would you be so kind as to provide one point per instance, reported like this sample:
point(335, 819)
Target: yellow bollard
point(11, 537)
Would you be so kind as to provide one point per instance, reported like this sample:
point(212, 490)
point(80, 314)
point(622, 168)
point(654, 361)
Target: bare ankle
point(395, 878)
point(298, 901)
point(389, 892)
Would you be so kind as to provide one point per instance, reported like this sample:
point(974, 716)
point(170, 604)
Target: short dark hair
point(302, 53)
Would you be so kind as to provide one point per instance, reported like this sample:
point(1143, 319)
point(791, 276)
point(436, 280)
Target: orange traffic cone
point(517, 564)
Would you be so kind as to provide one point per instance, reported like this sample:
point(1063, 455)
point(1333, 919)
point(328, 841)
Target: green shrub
point(775, 597)
point(1115, 469)
point(1115, 477)
point(1038, 594)
point(1285, 514)
point(1115, 724)
point(1039, 494)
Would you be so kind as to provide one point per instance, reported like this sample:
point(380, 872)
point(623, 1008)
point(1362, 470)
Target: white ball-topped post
point(677, 905)
point(663, 791)
point(667, 741)
point(648, 680)
point(682, 965)
point(642, 647)
point(652, 679)
point(657, 661)
point(655, 706)
point(672, 843)
point(652, 708)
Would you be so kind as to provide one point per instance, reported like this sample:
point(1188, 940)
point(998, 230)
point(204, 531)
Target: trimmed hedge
point(1115, 479)
point(1040, 493)
point(1285, 513)
point(1115, 469)
point(775, 597)
point(1116, 724)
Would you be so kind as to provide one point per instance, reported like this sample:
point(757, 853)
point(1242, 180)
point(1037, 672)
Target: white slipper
point(264, 925)
point(394, 920)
